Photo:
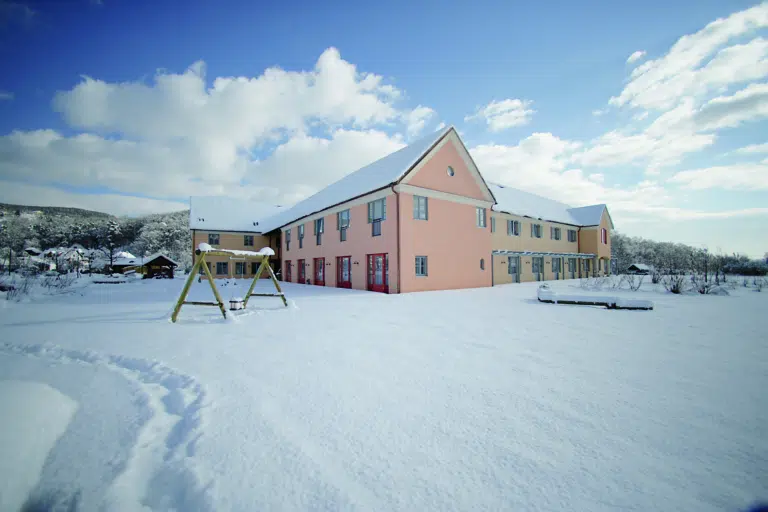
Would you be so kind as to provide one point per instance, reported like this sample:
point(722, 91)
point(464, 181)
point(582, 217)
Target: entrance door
point(301, 272)
point(557, 267)
point(344, 272)
point(320, 271)
point(287, 271)
point(586, 268)
point(537, 264)
point(572, 267)
point(514, 268)
point(378, 273)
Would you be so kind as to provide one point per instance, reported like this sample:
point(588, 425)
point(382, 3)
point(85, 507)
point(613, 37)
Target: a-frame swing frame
point(247, 255)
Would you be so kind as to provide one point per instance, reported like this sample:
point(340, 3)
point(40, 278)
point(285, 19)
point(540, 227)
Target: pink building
point(422, 218)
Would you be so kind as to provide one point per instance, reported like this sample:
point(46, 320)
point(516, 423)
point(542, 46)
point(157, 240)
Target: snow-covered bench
point(545, 294)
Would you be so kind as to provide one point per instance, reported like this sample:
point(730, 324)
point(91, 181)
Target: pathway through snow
point(133, 438)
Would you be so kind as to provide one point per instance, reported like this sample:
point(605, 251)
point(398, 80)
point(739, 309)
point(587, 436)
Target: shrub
point(20, 289)
point(633, 281)
point(759, 283)
point(674, 283)
point(655, 278)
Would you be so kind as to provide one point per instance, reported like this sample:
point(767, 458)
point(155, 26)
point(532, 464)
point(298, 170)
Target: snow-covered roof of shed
point(223, 213)
point(138, 260)
point(518, 202)
point(374, 176)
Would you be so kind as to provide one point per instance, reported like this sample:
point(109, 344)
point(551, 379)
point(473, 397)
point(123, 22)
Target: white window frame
point(513, 227)
point(210, 238)
point(481, 220)
point(422, 266)
point(225, 265)
point(420, 207)
point(493, 224)
point(536, 230)
point(573, 235)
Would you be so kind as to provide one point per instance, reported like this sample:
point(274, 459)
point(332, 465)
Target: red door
point(288, 271)
point(344, 272)
point(320, 271)
point(302, 274)
point(378, 273)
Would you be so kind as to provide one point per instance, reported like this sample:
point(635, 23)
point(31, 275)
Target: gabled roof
point(518, 202)
point(220, 213)
point(382, 173)
point(138, 261)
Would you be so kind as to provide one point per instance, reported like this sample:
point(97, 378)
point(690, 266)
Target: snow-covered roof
point(227, 214)
point(33, 250)
point(518, 202)
point(640, 266)
point(124, 254)
point(139, 260)
point(374, 176)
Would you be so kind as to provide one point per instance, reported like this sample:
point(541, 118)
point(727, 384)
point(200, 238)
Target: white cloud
point(500, 115)
point(34, 195)
point(417, 119)
point(749, 104)
point(753, 148)
point(240, 136)
point(639, 54)
point(6, 96)
point(660, 83)
point(731, 177)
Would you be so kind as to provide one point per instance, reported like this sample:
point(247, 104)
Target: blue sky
point(529, 86)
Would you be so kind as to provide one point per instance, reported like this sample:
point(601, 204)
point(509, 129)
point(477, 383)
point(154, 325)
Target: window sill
point(417, 275)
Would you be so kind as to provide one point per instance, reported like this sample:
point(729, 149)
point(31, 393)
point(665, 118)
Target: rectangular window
point(342, 220)
point(213, 239)
point(248, 240)
point(222, 268)
point(513, 228)
point(481, 217)
point(377, 210)
point(419, 207)
point(301, 235)
point(535, 230)
point(604, 236)
point(572, 235)
point(556, 264)
point(376, 228)
point(343, 234)
point(254, 267)
point(421, 266)
point(555, 233)
point(493, 224)
point(319, 228)
point(240, 268)
point(287, 240)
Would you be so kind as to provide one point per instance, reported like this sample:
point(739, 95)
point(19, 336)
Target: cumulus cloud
point(279, 136)
point(417, 119)
point(500, 115)
point(639, 54)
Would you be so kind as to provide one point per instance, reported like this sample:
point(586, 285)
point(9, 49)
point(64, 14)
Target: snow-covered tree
point(15, 230)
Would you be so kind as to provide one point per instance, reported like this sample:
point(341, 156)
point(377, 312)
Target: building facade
point(421, 219)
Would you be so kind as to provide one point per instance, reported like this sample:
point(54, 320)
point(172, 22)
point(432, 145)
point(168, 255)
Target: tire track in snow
point(161, 473)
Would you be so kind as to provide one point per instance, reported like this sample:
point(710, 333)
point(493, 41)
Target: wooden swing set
point(264, 266)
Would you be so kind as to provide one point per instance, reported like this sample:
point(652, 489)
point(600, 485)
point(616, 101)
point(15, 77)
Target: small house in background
point(159, 265)
point(155, 265)
point(639, 269)
point(33, 251)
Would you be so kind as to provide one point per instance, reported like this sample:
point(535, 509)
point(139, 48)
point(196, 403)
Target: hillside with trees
point(102, 234)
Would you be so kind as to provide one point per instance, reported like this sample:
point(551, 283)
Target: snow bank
point(34, 417)
point(545, 294)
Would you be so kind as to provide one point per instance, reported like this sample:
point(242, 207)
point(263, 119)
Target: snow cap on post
point(204, 247)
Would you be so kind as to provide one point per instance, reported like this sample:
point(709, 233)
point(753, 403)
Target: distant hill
point(9, 209)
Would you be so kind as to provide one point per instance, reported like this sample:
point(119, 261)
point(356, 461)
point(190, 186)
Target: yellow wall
point(500, 240)
point(233, 241)
point(589, 242)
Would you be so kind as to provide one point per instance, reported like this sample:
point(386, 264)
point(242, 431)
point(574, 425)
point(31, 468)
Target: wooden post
point(277, 284)
point(185, 291)
point(264, 260)
point(213, 287)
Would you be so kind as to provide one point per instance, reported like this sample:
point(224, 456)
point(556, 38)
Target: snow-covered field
point(463, 400)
